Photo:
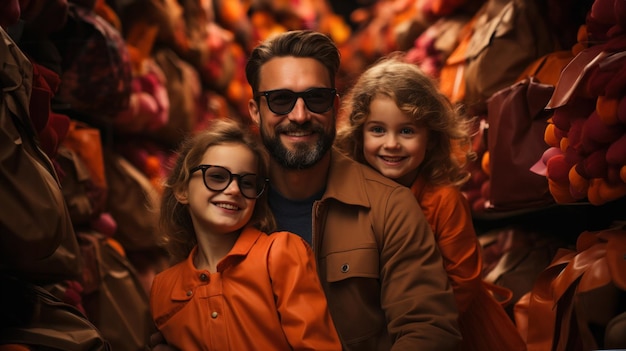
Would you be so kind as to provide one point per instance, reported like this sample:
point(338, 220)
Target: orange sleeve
point(300, 300)
point(449, 215)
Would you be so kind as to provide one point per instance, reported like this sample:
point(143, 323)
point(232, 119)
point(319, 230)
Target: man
point(376, 255)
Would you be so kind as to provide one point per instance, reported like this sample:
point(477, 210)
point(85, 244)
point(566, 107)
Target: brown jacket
point(379, 264)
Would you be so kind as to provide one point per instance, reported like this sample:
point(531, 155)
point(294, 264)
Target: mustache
point(295, 127)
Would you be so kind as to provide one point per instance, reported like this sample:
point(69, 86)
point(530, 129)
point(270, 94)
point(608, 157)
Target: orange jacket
point(265, 295)
point(483, 322)
point(448, 214)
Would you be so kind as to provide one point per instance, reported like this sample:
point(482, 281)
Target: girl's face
point(392, 143)
point(226, 211)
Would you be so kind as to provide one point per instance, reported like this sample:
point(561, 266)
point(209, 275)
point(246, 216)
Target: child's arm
point(300, 300)
point(451, 220)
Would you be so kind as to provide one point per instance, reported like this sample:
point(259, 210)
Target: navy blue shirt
point(294, 215)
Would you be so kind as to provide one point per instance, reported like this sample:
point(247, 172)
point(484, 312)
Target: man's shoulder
point(353, 182)
point(372, 175)
point(353, 170)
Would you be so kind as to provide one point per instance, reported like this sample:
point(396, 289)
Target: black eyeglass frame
point(262, 184)
point(332, 92)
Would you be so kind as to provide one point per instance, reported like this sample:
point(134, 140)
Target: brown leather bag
point(51, 325)
point(36, 235)
point(37, 241)
point(508, 36)
point(86, 141)
point(515, 141)
point(113, 297)
point(575, 301)
point(133, 202)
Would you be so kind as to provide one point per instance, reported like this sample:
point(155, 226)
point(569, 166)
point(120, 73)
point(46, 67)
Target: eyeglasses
point(218, 178)
point(282, 101)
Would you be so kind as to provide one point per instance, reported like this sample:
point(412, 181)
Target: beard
point(304, 155)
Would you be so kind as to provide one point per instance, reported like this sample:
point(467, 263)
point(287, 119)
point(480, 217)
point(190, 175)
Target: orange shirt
point(265, 295)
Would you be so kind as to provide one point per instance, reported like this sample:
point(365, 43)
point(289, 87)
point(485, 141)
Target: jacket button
point(345, 268)
point(203, 277)
point(214, 315)
point(189, 292)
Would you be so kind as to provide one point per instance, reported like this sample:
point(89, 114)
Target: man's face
point(299, 138)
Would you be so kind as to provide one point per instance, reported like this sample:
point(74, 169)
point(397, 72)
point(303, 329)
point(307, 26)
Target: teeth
point(392, 159)
point(228, 206)
point(297, 134)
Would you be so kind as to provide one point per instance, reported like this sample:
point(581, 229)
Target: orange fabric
point(449, 216)
point(140, 41)
point(547, 69)
point(86, 141)
point(483, 322)
point(116, 246)
point(452, 76)
point(102, 9)
point(14, 347)
point(265, 295)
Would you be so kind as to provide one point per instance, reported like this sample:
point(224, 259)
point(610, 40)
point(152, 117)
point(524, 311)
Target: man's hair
point(297, 43)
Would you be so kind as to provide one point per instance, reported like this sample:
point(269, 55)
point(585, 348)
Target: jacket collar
point(346, 180)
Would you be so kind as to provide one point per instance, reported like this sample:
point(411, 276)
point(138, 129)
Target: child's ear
point(181, 196)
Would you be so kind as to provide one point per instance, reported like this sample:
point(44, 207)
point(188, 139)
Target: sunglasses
point(282, 101)
point(217, 178)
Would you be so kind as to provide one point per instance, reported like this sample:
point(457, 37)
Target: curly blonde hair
point(417, 96)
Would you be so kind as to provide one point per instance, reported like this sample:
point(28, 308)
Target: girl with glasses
point(232, 286)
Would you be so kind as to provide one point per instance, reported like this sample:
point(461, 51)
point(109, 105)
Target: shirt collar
point(189, 277)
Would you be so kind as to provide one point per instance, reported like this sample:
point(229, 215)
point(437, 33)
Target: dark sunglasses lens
point(217, 178)
point(319, 100)
point(281, 102)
